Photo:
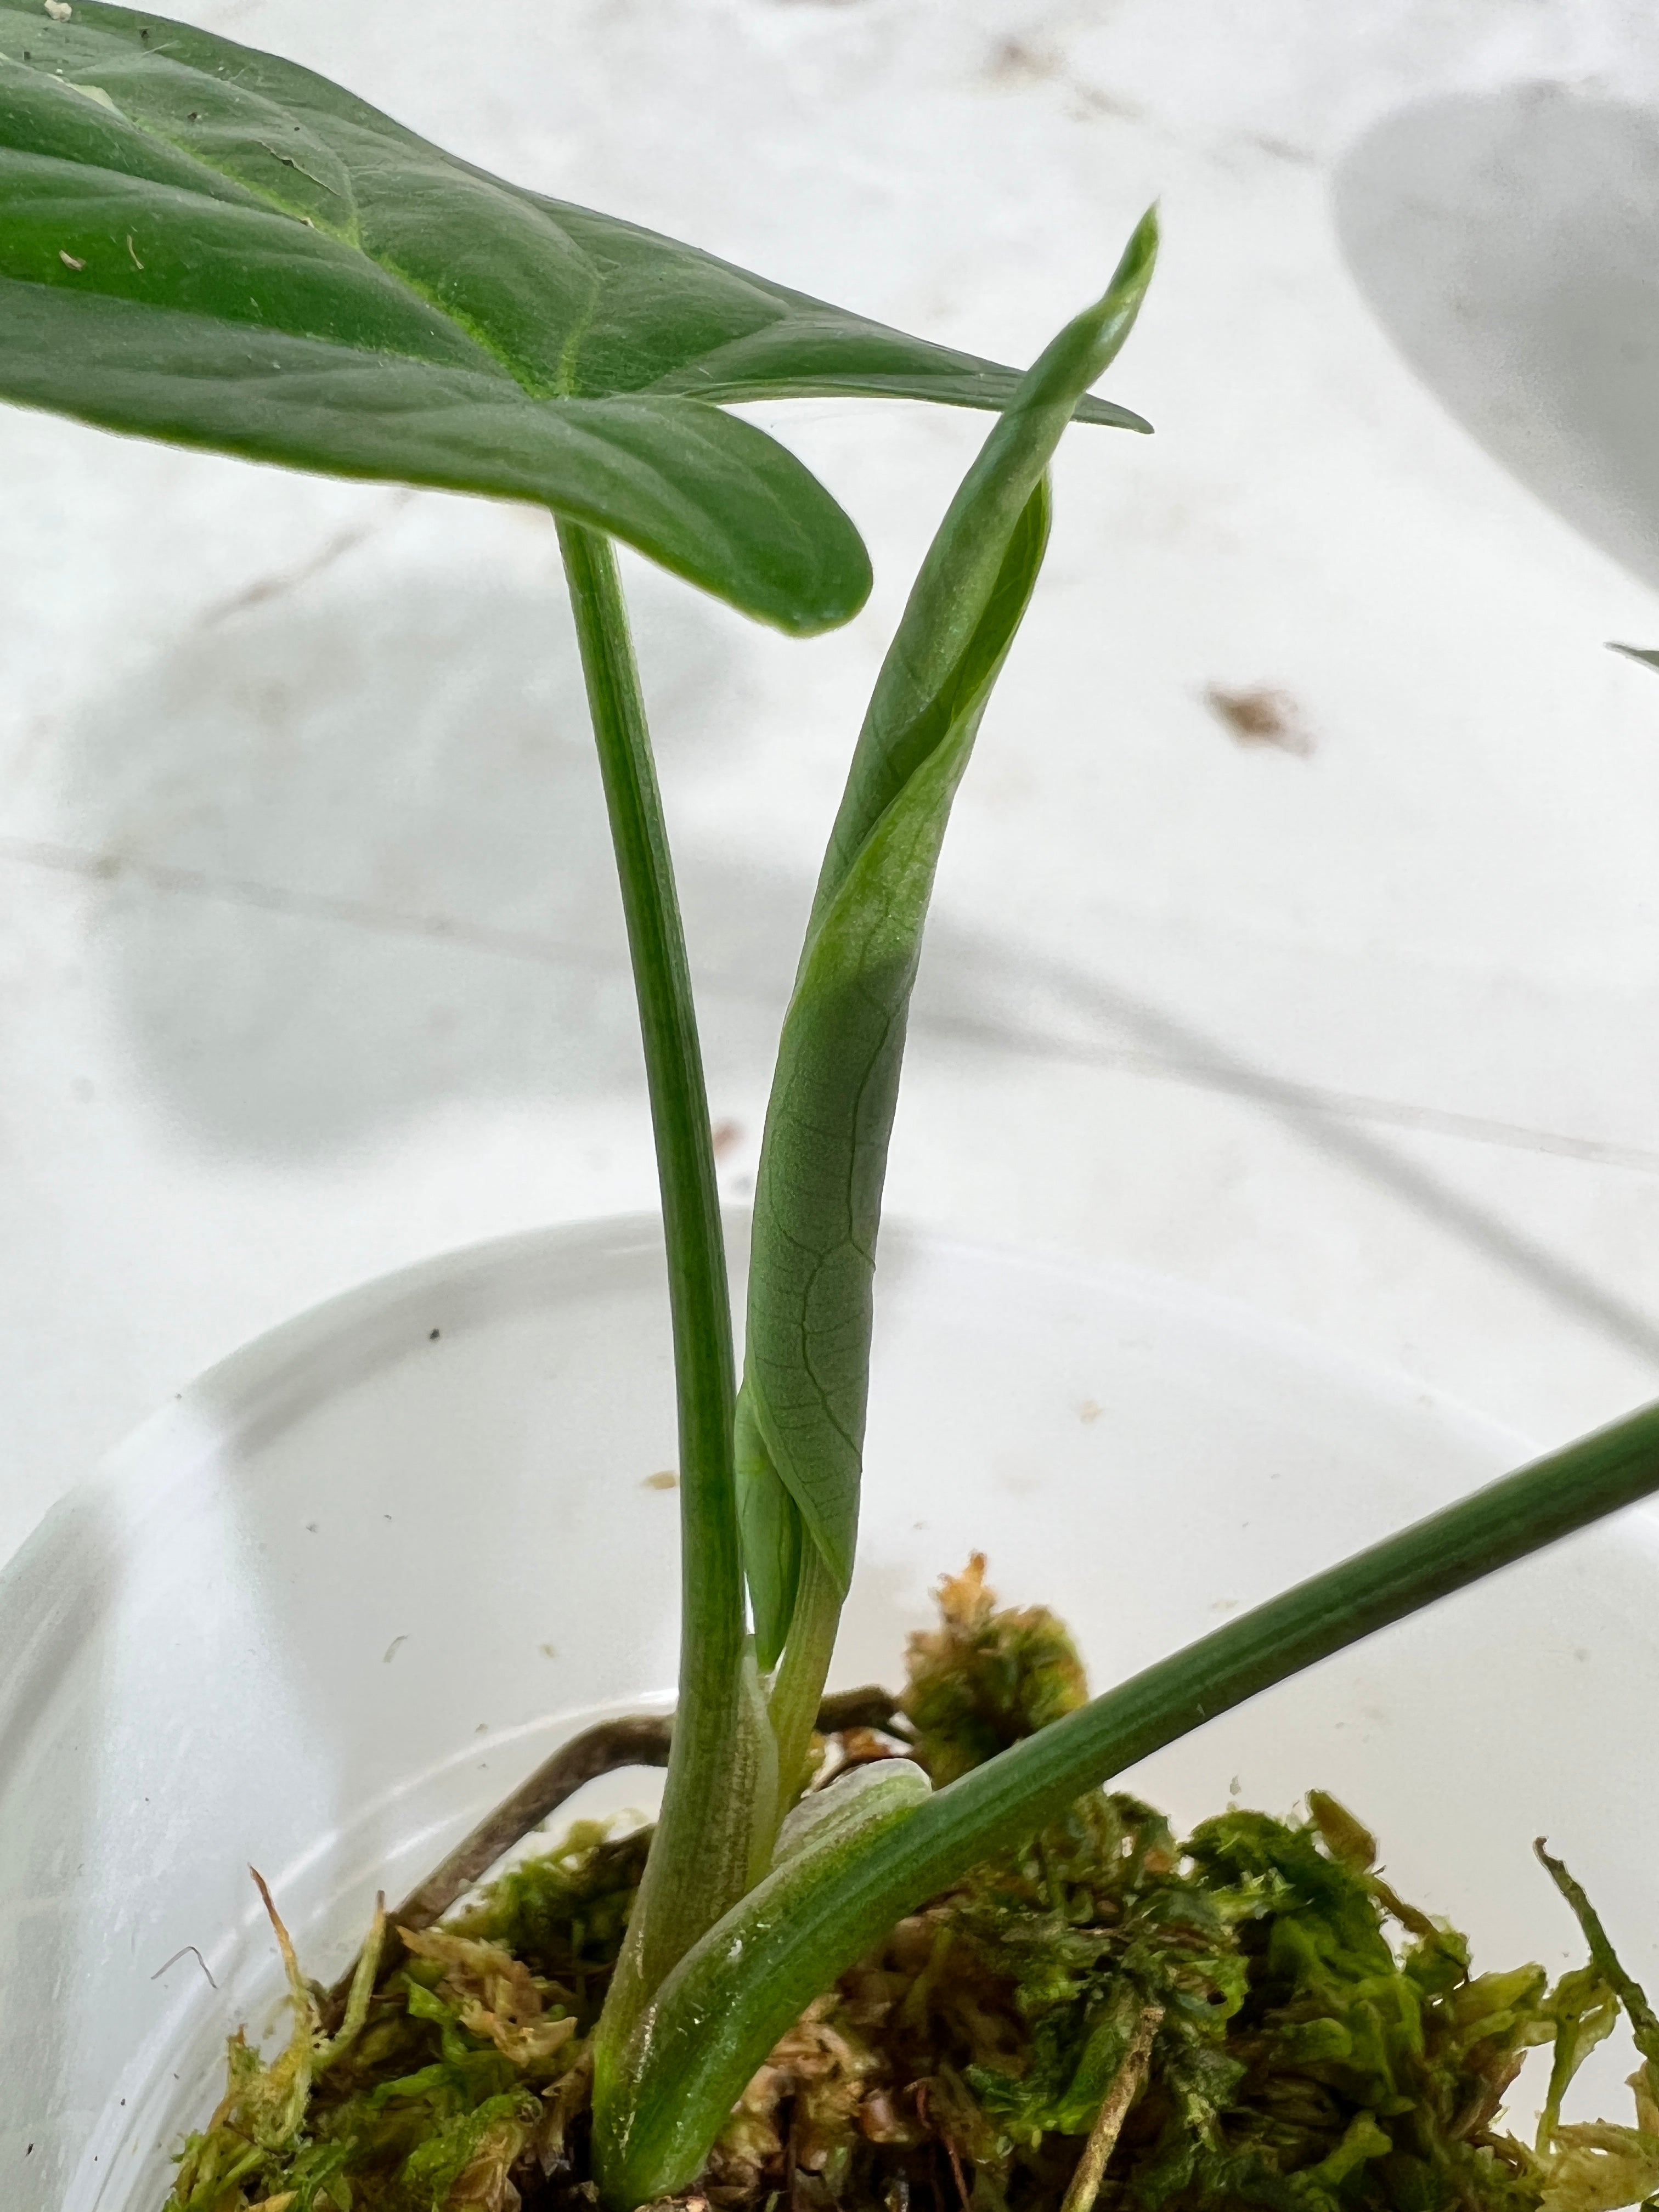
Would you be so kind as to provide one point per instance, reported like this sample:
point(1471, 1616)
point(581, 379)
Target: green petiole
point(704, 1849)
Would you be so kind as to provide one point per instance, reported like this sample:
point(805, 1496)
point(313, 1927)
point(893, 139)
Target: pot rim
point(39, 1585)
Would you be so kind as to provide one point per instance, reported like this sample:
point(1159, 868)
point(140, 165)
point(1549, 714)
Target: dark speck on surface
point(1260, 716)
point(1014, 58)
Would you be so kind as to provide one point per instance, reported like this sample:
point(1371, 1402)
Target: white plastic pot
point(326, 1609)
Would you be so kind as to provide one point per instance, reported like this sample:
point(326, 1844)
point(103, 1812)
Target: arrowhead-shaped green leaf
point(207, 244)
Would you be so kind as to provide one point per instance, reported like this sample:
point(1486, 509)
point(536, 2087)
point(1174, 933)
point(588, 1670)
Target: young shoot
point(210, 246)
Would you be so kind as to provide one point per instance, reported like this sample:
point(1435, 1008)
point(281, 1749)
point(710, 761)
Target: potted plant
point(206, 244)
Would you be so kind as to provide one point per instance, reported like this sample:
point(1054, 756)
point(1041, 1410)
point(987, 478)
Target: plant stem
point(722, 2011)
point(1126, 2084)
point(699, 1861)
point(798, 1689)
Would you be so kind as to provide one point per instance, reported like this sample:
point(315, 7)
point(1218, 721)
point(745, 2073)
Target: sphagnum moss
point(1105, 2016)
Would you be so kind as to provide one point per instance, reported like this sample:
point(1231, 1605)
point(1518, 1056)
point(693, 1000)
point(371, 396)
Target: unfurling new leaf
point(817, 1197)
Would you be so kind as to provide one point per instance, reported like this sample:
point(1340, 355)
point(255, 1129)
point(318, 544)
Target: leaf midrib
point(532, 387)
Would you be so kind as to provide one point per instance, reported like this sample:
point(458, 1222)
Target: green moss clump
point(466, 2069)
point(1299, 2058)
point(1250, 2017)
point(564, 1912)
point(986, 1677)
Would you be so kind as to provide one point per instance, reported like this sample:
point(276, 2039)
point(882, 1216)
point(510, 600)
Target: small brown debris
point(1261, 715)
point(1016, 61)
point(725, 1137)
point(862, 1747)
point(667, 1479)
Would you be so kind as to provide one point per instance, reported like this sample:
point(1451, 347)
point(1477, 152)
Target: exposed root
point(638, 1741)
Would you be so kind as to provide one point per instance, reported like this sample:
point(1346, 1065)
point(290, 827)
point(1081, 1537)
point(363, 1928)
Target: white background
point(309, 961)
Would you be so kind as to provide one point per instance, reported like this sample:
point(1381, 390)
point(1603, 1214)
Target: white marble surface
point(310, 963)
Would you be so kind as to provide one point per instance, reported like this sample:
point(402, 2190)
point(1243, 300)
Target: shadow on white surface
point(333, 793)
point(1508, 243)
point(317, 817)
point(1154, 1041)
